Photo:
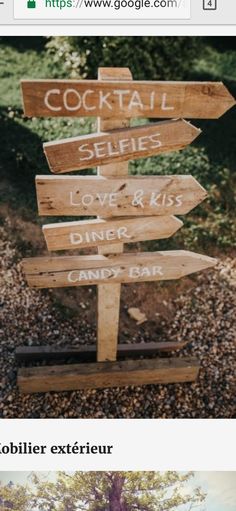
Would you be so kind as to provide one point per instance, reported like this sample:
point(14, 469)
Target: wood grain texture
point(117, 197)
point(87, 151)
point(118, 99)
point(67, 271)
point(108, 296)
point(89, 352)
point(91, 233)
point(107, 374)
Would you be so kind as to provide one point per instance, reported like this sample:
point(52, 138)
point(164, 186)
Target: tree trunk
point(115, 493)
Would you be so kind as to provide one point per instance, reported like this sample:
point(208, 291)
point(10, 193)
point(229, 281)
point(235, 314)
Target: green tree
point(14, 497)
point(117, 491)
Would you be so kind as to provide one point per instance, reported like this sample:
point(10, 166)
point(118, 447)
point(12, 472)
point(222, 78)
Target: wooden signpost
point(68, 271)
point(118, 99)
point(95, 195)
point(129, 209)
point(100, 232)
point(118, 145)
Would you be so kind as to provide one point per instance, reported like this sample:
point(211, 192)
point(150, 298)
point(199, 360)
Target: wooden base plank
point(107, 374)
point(88, 352)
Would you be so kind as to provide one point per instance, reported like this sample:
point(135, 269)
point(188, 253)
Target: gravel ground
point(206, 315)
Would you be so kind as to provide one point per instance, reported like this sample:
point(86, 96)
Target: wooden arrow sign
point(118, 145)
point(90, 233)
point(43, 272)
point(193, 100)
point(134, 196)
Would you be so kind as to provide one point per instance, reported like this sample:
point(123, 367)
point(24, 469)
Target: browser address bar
point(102, 9)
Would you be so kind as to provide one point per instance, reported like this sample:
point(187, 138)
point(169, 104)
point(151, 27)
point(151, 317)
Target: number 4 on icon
point(209, 5)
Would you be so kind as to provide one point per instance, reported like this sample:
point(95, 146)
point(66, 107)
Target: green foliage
point(64, 55)
point(16, 65)
point(116, 491)
point(218, 230)
point(217, 64)
point(149, 58)
point(14, 497)
point(213, 222)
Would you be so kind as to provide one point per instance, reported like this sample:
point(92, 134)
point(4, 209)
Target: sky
point(219, 486)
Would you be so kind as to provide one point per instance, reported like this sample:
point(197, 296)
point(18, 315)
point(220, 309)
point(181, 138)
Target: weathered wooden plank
point(88, 352)
point(43, 98)
point(100, 232)
point(86, 151)
point(107, 374)
point(117, 197)
point(66, 271)
point(108, 296)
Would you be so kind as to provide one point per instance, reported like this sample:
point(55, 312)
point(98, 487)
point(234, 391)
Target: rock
point(137, 315)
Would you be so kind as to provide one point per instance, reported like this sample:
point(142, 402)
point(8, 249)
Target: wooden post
point(109, 294)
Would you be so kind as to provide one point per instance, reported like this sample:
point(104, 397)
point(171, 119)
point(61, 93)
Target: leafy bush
point(217, 64)
point(149, 58)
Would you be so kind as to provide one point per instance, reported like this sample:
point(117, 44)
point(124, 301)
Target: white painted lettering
point(124, 145)
point(152, 100)
point(142, 143)
point(84, 149)
point(110, 235)
point(145, 272)
point(157, 142)
point(92, 275)
point(75, 238)
point(179, 200)
point(66, 100)
point(112, 150)
point(117, 272)
point(138, 198)
point(48, 104)
point(102, 198)
point(103, 103)
point(123, 233)
point(100, 149)
point(113, 199)
point(120, 94)
point(72, 201)
point(106, 273)
point(170, 200)
point(164, 103)
point(87, 199)
point(73, 276)
point(96, 274)
point(163, 202)
point(157, 270)
point(97, 236)
point(135, 101)
point(154, 198)
point(134, 272)
point(133, 144)
point(85, 105)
